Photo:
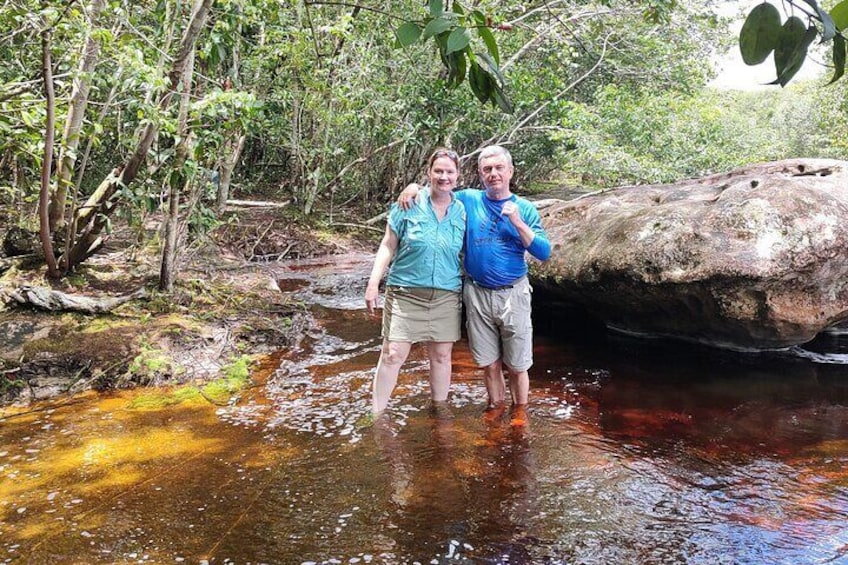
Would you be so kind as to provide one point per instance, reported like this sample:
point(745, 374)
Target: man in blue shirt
point(501, 227)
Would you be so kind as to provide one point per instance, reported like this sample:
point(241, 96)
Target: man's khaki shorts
point(421, 314)
point(499, 325)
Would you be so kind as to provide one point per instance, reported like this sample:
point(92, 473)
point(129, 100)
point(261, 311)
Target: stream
point(635, 451)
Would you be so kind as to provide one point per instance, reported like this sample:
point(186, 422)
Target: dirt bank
point(225, 309)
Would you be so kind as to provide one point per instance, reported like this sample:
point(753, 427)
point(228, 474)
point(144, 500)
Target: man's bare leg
point(519, 386)
point(495, 385)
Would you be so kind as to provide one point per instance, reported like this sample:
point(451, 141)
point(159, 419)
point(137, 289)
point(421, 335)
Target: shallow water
point(634, 452)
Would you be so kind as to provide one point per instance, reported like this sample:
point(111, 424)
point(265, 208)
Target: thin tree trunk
point(230, 161)
point(232, 157)
point(73, 123)
point(94, 216)
point(177, 179)
point(47, 161)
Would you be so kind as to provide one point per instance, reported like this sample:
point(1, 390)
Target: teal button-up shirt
point(428, 248)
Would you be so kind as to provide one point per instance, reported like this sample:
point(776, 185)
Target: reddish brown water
point(634, 452)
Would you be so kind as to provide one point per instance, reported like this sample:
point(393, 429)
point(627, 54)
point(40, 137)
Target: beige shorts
point(421, 314)
point(499, 324)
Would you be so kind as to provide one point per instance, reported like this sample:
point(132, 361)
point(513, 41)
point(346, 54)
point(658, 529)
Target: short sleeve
point(396, 217)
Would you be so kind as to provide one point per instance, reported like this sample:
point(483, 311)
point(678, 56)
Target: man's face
point(496, 172)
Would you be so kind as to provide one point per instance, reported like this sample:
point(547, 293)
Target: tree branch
point(559, 94)
point(353, 5)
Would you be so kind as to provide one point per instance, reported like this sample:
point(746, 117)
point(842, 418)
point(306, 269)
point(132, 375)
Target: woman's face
point(443, 174)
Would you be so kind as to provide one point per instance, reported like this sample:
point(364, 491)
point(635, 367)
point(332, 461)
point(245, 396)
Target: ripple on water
point(616, 465)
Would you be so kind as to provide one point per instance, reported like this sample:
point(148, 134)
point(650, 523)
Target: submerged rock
point(756, 258)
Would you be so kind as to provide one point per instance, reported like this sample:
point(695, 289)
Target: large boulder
point(752, 259)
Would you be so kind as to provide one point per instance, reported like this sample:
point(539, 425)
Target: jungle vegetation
point(113, 110)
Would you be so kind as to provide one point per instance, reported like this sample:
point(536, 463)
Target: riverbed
point(634, 451)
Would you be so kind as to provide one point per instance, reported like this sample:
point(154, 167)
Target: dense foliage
point(335, 105)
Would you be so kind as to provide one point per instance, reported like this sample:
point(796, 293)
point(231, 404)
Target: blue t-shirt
point(494, 254)
point(428, 248)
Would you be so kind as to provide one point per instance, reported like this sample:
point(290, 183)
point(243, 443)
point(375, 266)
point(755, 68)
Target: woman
point(423, 289)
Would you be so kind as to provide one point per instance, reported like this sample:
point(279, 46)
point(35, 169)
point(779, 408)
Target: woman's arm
point(388, 247)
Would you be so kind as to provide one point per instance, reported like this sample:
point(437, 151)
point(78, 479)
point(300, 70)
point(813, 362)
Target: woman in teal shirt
point(424, 288)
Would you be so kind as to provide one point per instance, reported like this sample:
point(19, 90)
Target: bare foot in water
point(494, 412)
point(519, 416)
point(440, 409)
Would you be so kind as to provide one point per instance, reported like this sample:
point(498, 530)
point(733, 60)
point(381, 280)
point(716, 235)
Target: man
point(501, 227)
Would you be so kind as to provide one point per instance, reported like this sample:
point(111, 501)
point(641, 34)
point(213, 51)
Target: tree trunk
point(176, 181)
point(231, 158)
point(94, 215)
point(47, 161)
point(73, 123)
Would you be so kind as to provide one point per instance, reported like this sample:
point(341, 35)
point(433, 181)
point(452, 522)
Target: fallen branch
point(257, 204)
point(55, 301)
point(7, 263)
point(375, 219)
point(359, 226)
point(259, 240)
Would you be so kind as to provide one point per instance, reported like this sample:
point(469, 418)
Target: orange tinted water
point(633, 452)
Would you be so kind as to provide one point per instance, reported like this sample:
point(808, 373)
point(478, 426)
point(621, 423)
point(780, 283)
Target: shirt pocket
point(457, 233)
point(414, 229)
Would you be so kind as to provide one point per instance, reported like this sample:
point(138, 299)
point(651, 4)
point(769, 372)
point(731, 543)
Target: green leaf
point(791, 36)
point(491, 45)
point(480, 17)
point(442, 42)
point(437, 8)
point(826, 20)
point(838, 58)
point(102, 36)
point(458, 40)
point(407, 34)
point(492, 67)
point(760, 34)
point(481, 83)
point(796, 57)
point(839, 14)
point(436, 26)
point(457, 9)
point(501, 100)
point(456, 69)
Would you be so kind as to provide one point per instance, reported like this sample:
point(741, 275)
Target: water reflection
point(456, 492)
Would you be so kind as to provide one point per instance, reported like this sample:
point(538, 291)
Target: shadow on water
point(634, 451)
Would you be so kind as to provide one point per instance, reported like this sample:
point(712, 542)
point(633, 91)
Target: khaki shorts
point(421, 314)
point(499, 324)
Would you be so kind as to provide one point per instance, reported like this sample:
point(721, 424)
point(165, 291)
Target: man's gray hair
point(494, 151)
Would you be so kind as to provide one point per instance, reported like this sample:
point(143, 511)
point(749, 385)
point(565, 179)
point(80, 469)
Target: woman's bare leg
point(392, 357)
point(440, 369)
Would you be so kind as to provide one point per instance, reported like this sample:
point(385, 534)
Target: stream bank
point(226, 311)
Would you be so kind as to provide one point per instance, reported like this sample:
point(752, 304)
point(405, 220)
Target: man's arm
point(406, 199)
point(532, 234)
point(525, 233)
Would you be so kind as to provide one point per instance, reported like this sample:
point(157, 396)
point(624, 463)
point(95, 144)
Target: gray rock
point(752, 259)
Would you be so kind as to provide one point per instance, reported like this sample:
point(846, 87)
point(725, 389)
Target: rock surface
point(756, 258)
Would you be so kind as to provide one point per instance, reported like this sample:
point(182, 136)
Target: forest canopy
point(333, 106)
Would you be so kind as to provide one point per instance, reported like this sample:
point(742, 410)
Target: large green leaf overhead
point(791, 50)
point(760, 34)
